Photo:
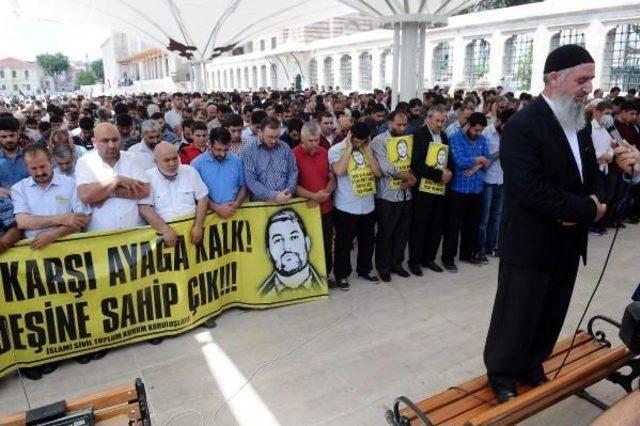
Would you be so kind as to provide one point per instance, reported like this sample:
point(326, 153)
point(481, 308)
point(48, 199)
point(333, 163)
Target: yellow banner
point(399, 151)
point(360, 174)
point(101, 290)
point(437, 155)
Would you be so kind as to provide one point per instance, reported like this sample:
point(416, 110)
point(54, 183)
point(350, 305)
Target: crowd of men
point(78, 164)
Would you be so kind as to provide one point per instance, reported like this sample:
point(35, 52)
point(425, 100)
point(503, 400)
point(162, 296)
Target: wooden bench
point(123, 405)
point(590, 360)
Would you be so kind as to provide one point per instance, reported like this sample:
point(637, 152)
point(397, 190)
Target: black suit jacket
point(421, 140)
point(542, 189)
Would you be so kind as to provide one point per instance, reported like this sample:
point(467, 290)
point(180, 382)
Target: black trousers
point(617, 194)
point(463, 218)
point(394, 226)
point(426, 227)
point(327, 234)
point(528, 313)
point(349, 226)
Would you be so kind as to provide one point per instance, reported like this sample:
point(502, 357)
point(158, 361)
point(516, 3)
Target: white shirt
point(571, 134)
point(115, 213)
point(59, 197)
point(601, 142)
point(143, 155)
point(493, 175)
point(174, 198)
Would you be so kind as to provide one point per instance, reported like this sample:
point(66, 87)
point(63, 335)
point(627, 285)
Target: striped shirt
point(268, 171)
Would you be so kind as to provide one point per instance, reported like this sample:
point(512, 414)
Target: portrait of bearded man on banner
point(288, 246)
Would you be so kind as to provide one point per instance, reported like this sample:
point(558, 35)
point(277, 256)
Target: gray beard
point(569, 112)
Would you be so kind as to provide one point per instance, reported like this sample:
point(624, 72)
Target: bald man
point(111, 182)
point(176, 190)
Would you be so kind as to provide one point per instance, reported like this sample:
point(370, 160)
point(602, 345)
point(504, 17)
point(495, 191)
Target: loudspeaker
point(630, 328)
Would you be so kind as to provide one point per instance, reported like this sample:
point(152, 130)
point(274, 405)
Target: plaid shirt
point(7, 220)
point(464, 152)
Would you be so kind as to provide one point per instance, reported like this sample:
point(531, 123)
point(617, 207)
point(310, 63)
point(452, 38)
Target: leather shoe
point(434, 267)
point(385, 276)
point(503, 395)
point(401, 271)
point(534, 380)
point(415, 270)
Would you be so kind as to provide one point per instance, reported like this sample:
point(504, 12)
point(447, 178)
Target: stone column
point(459, 47)
point(336, 70)
point(320, 62)
point(496, 58)
point(355, 71)
point(596, 41)
point(541, 39)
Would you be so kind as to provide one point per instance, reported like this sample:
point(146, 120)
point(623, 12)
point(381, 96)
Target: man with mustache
point(46, 204)
point(176, 190)
point(288, 245)
point(12, 168)
point(111, 182)
point(553, 192)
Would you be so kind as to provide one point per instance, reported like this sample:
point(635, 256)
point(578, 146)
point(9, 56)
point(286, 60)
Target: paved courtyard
point(338, 362)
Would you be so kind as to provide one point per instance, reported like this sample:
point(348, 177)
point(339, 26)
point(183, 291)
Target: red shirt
point(313, 172)
point(189, 153)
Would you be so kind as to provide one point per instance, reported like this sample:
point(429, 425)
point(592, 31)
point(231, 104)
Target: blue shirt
point(464, 152)
point(7, 220)
point(223, 178)
point(249, 136)
point(12, 170)
point(268, 171)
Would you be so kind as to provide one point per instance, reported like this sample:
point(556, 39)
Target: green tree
point(53, 65)
point(85, 78)
point(97, 67)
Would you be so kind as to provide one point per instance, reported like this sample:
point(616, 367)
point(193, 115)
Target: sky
point(24, 39)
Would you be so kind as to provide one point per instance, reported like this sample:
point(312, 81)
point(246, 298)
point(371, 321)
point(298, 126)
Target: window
point(254, 77)
point(442, 63)
point(263, 76)
point(313, 72)
point(274, 76)
point(365, 71)
point(262, 45)
point(328, 71)
point(238, 84)
point(622, 57)
point(26, 74)
point(274, 42)
point(246, 77)
point(386, 54)
point(13, 74)
point(476, 64)
point(27, 87)
point(567, 36)
point(518, 55)
point(4, 87)
point(1, 73)
point(345, 72)
point(15, 87)
point(232, 83)
point(224, 78)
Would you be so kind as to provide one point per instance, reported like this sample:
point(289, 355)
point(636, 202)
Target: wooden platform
point(473, 403)
point(123, 405)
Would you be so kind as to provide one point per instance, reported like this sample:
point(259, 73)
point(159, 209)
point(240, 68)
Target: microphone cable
point(595, 290)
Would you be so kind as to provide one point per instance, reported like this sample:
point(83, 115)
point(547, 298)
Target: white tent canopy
point(201, 30)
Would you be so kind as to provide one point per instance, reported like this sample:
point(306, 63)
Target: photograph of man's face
point(358, 157)
point(288, 245)
point(442, 158)
point(402, 150)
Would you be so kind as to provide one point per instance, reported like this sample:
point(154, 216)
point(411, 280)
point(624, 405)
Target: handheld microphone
point(610, 127)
